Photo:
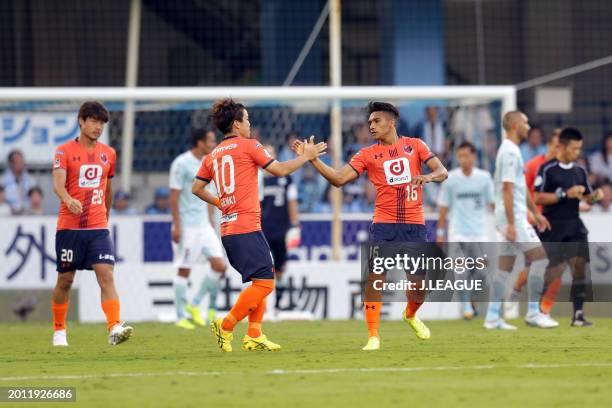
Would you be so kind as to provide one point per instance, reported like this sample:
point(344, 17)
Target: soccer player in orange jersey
point(82, 173)
point(233, 166)
point(394, 168)
point(531, 171)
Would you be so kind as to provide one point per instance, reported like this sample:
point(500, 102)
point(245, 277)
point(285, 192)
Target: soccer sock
point(247, 302)
point(578, 293)
point(60, 311)
point(112, 311)
point(180, 296)
point(372, 317)
point(550, 295)
point(255, 319)
point(535, 283)
point(497, 288)
point(411, 308)
point(521, 280)
point(209, 285)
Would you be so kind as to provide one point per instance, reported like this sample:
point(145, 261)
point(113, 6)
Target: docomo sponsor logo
point(413, 264)
point(90, 176)
point(397, 171)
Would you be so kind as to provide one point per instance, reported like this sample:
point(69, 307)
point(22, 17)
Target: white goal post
point(460, 95)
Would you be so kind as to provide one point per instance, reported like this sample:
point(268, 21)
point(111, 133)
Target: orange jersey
point(87, 174)
point(531, 171)
point(233, 166)
point(390, 169)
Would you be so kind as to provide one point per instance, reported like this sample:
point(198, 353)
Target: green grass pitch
point(321, 364)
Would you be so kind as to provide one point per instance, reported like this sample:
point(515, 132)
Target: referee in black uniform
point(559, 187)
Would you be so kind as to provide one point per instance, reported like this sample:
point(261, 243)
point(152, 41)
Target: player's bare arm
point(336, 178)
point(199, 190)
point(543, 198)
point(211, 214)
point(541, 221)
point(108, 199)
point(310, 152)
point(59, 187)
point(442, 212)
point(438, 173)
point(174, 209)
point(508, 195)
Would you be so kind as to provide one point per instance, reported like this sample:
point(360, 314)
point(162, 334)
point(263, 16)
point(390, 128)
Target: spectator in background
point(309, 190)
point(161, 202)
point(17, 182)
point(285, 153)
point(362, 139)
point(35, 197)
point(121, 204)
point(5, 209)
point(600, 162)
point(431, 131)
point(534, 145)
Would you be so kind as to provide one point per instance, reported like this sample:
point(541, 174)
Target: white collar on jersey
point(566, 166)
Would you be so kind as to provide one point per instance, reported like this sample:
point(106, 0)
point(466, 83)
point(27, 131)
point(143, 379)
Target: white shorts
point(197, 245)
point(526, 240)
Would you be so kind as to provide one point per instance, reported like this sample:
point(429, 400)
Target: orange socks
point(521, 280)
point(372, 317)
point(60, 311)
point(255, 319)
point(112, 311)
point(411, 308)
point(550, 295)
point(248, 302)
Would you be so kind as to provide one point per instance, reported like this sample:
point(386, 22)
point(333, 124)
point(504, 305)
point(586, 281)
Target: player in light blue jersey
point(465, 197)
point(194, 238)
point(516, 234)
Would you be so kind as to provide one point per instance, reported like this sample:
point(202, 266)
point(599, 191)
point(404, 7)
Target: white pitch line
point(302, 371)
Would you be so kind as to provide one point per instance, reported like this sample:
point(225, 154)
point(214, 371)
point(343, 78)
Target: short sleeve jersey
point(553, 175)
point(467, 198)
point(509, 169)
point(233, 166)
point(87, 175)
point(531, 171)
point(390, 169)
point(193, 212)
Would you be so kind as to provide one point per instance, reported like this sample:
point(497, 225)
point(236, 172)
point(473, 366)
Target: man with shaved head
point(512, 203)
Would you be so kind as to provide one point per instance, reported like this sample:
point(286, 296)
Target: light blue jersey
point(467, 198)
point(509, 168)
point(193, 212)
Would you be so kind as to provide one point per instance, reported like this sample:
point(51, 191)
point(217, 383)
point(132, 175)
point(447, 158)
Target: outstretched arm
point(337, 178)
point(309, 152)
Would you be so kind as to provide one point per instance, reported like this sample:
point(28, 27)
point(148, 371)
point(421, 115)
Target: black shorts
point(279, 252)
point(387, 240)
point(80, 249)
point(565, 240)
point(387, 232)
point(250, 255)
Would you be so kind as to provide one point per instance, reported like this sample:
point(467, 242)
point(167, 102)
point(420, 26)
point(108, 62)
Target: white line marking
point(302, 371)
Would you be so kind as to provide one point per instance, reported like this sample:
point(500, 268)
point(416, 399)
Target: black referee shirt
point(553, 175)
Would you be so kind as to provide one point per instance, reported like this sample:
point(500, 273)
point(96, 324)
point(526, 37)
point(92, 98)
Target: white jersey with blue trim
point(509, 168)
point(193, 212)
point(467, 198)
